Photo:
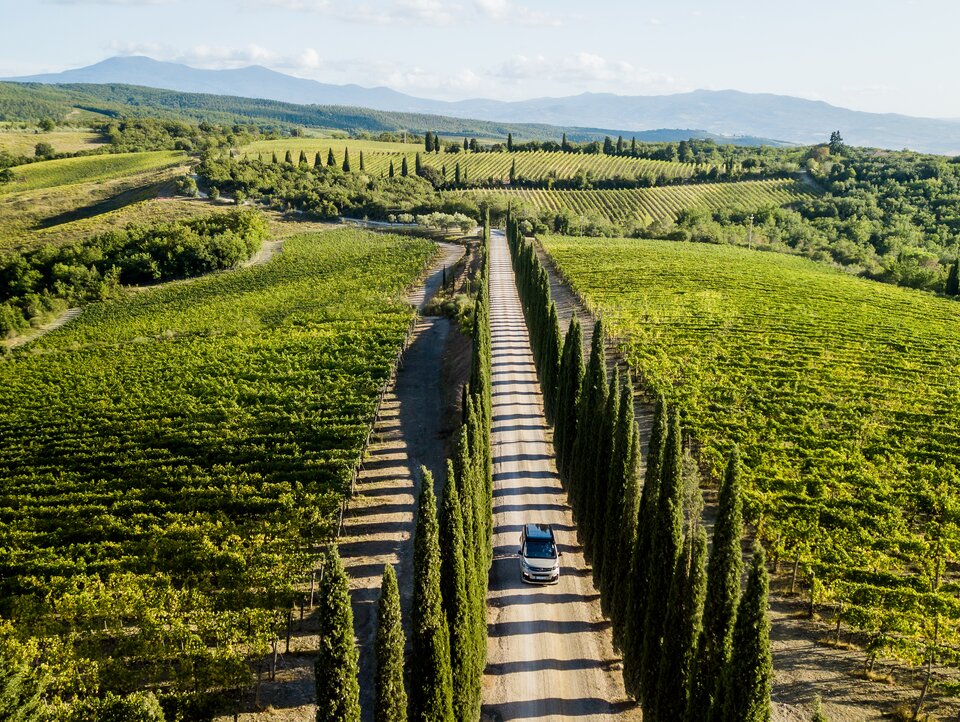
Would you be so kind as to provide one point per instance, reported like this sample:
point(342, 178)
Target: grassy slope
point(65, 141)
point(88, 169)
point(833, 386)
point(23, 214)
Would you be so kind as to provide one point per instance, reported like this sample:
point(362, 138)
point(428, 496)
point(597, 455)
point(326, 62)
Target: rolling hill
point(725, 113)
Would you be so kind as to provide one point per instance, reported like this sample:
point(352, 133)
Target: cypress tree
point(953, 279)
point(589, 427)
point(456, 603)
point(513, 171)
point(430, 677)
point(456, 174)
point(620, 607)
point(620, 145)
point(362, 168)
point(337, 665)
point(614, 520)
point(331, 161)
point(346, 160)
point(391, 172)
point(404, 170)
point(428, 142)
point(665, 549)
point(551, 363)
point(391, 705)
point(509, 142)
point(288, 158)
point(749, 673)
point(317, 162)
point(274, 160)
point(568, 395)
point(602, 474)
point(684, 613)
point(564, 145)
point(303, 158)
point(723, 594)
point(633, 146)
point(418, 165)
point(466, 145)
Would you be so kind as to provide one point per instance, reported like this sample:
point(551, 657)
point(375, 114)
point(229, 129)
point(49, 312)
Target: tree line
point(695, 645)
point(440, 679)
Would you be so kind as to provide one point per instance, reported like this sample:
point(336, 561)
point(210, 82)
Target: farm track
point(60, 321)
point(378, 525)
point(550, 654)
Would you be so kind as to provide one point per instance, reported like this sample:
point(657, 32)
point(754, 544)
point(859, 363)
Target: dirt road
point(378, 528)
point(550, 653)
point(378, 525)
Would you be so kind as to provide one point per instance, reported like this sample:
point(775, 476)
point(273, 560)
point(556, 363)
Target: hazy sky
point(879, 55)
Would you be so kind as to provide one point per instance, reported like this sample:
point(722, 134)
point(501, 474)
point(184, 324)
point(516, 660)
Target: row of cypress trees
point(317, 160)
point(693, 648)
point(453, 550)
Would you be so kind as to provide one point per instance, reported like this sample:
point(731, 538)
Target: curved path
point(550, 653)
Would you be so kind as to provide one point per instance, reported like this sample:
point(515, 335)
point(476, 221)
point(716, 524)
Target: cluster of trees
point(694, 647)
point(144, 134)
point(51, 278)
point(453, 550)
point(326, 191)
point(140, 135)
point(889, 216)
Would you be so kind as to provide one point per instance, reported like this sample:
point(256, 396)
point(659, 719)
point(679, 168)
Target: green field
point(63, 141)
point(169, 460)
point(655, 204)
point(88, 169)
point(841, 394)
point(477, 166)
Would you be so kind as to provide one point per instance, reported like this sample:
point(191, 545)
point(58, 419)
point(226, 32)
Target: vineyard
point(841, 394)
point(87, 169)
point(481, 166)
point(170, 461)
point(655, 204)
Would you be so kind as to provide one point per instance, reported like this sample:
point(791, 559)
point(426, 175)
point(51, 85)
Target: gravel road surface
point(550, 654)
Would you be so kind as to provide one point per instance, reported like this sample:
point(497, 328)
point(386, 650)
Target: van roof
point(538, 531)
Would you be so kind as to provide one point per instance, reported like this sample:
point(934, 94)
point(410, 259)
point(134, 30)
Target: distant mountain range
point(727, 113)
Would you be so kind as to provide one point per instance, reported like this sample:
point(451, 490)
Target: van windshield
point(537, 549)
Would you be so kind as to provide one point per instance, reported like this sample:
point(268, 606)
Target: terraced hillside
point(841, 394)
point(482, 166)
point(656, 204)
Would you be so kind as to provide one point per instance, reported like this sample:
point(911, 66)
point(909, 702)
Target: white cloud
point(585, 71)
point(510, 11)
point(129, 3)
point(378, 12)
point(213, 56)
point(522, 76)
